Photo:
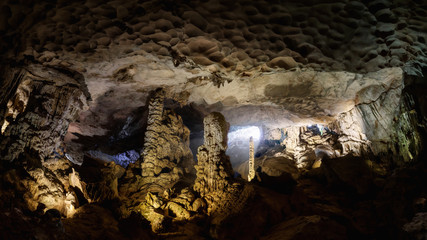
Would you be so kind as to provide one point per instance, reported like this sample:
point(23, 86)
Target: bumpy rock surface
point(214, 180)
point(343, 35)
point(37, 110)
point(125, 50)
point(39, 187)
point(349, 65)
point(166, 160)
point(214, 170)
point(166, 156)
point(372, 125)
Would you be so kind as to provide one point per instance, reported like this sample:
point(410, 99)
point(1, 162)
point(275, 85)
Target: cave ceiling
point(213, 119)
point(276, 63)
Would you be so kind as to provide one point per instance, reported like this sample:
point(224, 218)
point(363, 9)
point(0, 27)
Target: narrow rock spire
point(251, 174)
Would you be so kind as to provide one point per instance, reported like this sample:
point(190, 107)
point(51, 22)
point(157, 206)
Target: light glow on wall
point(238, 142)
point(244, 133)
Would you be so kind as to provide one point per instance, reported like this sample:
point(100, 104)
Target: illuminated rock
point(165, 159)
point(36, 115)
point(356, 67)
point(166, 156)
point(251, 174)
point(214, 170)
point(214, 180)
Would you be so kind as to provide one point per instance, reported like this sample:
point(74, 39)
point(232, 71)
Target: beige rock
point(166, 152)
point(56, 100)
point(213, 166)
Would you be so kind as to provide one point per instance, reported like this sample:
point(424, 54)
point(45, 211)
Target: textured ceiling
point(275, 62)
point(237, 35)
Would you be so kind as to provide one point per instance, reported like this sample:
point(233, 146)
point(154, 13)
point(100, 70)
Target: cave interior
point(211, 119)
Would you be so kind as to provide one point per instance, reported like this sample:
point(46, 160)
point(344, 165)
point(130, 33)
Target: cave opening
point(238, 142)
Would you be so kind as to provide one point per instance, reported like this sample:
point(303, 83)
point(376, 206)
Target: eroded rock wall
point(37, 104)
point(383, 121)
point(37, 112)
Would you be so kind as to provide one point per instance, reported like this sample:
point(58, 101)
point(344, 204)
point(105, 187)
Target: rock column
point(213, 167)
point(251, 174)
point(166, 156)
point(155, 115)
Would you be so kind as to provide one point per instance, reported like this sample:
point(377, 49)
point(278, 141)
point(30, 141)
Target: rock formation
point(37, 110)
point(251, 173)
point(338, 88)
point(214, 181)
point(35, 114)
point(166, 159)
point(237, 36)
point(214, 171)
point(166, 156)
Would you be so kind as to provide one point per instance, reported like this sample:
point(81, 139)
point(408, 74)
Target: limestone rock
point(214, 180)
point(213, 167)
point(352, 171)
point(251, 172)
point(92, 221)
point(38, 112)
point(283, 62)
point(417, 226)
point(166, 155)
point(307, 145)
point(153, 200)
point(46, 185)
point(107, 185)
point(166, 159)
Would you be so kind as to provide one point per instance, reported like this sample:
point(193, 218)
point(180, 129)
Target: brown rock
point(283, 62)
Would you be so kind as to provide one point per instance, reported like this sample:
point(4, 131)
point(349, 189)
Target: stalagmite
point(166, 155)
point(155, 115)
point(251, 174)
point(213, 168)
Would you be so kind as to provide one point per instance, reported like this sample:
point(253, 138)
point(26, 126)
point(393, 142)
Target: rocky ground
point(338, 197)
point(324, 204)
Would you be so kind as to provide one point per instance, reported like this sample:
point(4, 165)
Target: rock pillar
point(155, 115)
point(213, 167)
point(251, 174)
point(166, 156)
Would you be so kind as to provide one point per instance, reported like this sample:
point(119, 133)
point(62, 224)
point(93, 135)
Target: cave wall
point(37, 111)
point(272, 59)
point(357, 67)
point(383, 121)
point(264, 58)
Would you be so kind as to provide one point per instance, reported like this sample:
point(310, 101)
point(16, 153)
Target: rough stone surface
point(50, 185)
point(337, 87)
point(214, 180)
point(335, 35)
point(166, 156)
point(214, 171)
point(37, 114)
